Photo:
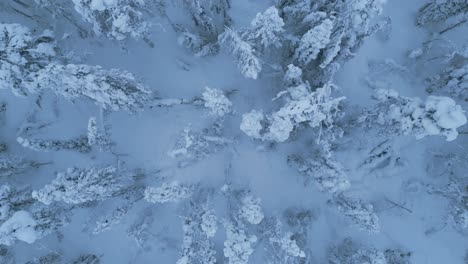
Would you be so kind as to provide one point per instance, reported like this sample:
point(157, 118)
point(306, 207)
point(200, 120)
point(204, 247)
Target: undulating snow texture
point(233, 131)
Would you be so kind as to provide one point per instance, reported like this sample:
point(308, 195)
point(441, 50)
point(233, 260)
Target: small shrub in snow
point(195, 146)
point(12, 165)
point(168, 192)
point(327, 174)
point(360, 213)
point(79, 144)
point(106, 222)
point(397, 256)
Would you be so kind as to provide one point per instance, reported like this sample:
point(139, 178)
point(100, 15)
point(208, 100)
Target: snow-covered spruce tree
point(313, 41)
point(316, 109)
point(436, 11)
point(323, 33)
point(326, 173)
point(26, 67)
point(453, 80)
point(76, 186)
point(247, 62)
point(195, 146)
point(50, 219)
point(349, 252)
point(79, 144)
point(13, 200)
point(199, 227)
point(209, 19)
point(401, 115)
point(196, 248)
point(117, 19)
point(251, 210)
point(282, 246)
point(216, 101)
point(360, 213)
point(111, 89)
point(168, 192)
point(266, 29)
point(21, 54)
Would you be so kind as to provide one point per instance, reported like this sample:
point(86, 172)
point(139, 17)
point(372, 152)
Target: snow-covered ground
point(177, 169)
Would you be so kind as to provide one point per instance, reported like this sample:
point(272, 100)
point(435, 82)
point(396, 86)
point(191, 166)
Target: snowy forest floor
point(409, 220)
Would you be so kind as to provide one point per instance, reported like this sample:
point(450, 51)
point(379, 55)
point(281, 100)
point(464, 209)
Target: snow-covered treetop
point(438, 11)
point(329, 30)
point(116, 19)
point(251, 210)
point(315, 109)
point(266, 28)
point(411, 116)
point(313, 41)
point(238, 245)
point(247, 62)
point(453, 80)
point(216, 101)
